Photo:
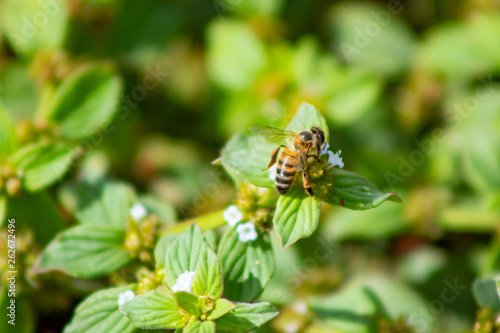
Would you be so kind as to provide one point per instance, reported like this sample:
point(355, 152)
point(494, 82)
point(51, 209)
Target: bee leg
point(307, 183)
point(274, 156)
point(316, 157)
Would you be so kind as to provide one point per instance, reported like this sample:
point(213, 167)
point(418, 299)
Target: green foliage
point(487, 294)
point(32, 27)
point(236, 55)
point(43, 163)
point(297, 216)
point(104, 205)
point(184, 253)
point(247, 266)
point(7, 135)
point(208, 278)
point(153, 310)
point(246, 317)
point(99, 313)
point(197, 307)
point(86, 251)
point(112, 110)
point(85, 102)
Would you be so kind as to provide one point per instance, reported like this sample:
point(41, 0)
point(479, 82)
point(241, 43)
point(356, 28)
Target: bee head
point(320, 136)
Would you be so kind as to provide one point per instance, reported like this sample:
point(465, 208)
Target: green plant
point(183, 289)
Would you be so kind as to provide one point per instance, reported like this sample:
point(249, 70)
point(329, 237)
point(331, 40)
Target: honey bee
point(306, 143)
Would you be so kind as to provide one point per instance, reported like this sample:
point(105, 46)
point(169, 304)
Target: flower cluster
point(246, 231)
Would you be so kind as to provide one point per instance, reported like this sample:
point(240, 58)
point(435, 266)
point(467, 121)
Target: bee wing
point(271, 134)
point(302, 158)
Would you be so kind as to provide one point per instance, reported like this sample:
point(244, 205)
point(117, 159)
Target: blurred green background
point(411, 93)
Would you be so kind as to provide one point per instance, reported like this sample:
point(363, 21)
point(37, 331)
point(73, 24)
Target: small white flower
point(246, 232)
point(184, 282)
point(125, 296)
point(300, 307)
point(335, 159)
point(272, 172)
point(233, 215)
point(292, 327)
point(138, 212)
point(325, 148)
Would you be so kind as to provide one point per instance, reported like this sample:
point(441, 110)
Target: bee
point(306, 143)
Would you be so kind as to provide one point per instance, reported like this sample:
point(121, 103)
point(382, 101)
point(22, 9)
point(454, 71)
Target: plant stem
point(205, 222)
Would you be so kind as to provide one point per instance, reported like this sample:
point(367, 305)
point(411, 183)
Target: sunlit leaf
point(208, 278)
point(32, 25)
point(184, 254)
point(85, 251)
point(297, 215)
point(189, 302)
point(8, 140)
point(348, 189)
point(105, 204)
point(246, 317)
point(85, 102)
point(43, 163)
point(99, 313)
point(222, 306)
point(153, 310)
point(247, 266)
point(235, 54)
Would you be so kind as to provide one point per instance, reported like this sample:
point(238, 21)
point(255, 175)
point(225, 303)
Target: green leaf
point(248, 156)
point(43, 163)
point(153, 310)
point(347, 224)
point(247, 266)
point(32, 26)
point(353, 191)
point(107, 204)
point(197, 326)
point(184, 253)
point(99, 313)
point(358, 305)
point(208, 278)
point(189, 302)
point(222, 306)
point(235, 54)
point(306, 117)
point(358, 93)
point(161, 248)
point(42, 217)
point(19, 95)
point(85, 251)
point(246, 317)
point(481, 159)
point(363, 32)
point(452, 53)
point(165, 211)
point(296, 216)
point(486, 292)
point(8, 139)
point(85, 102)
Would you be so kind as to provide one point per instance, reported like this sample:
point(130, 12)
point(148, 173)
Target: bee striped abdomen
point(286, 171)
